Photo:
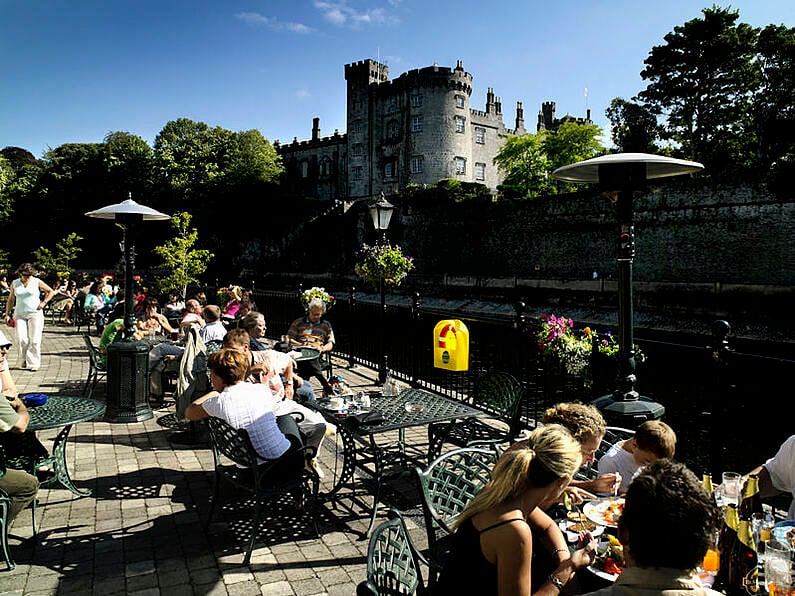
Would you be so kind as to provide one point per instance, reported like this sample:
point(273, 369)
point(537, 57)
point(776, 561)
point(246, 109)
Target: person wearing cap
point(28, 305)
point(14, 418)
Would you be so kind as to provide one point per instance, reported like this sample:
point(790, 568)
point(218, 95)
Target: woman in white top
point(25, 296)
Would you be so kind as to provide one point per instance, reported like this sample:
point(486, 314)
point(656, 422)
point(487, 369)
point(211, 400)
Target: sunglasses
point(5, 347)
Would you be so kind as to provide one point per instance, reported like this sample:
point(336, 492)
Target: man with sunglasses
point(14, 418)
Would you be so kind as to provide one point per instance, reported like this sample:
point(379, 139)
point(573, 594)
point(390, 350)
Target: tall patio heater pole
point(618, 177)
point(128, 363)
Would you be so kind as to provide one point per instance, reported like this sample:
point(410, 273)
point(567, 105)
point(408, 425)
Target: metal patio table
point(62, 412)
point(306, 354)
point(359, 442)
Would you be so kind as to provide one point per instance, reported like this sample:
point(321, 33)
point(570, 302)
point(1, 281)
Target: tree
point(633, 127)
point(524, 160)
point(59, 260)
point(253, 159)
point(700, 80)
point(182, 262)
point(572, 142)
point(128, 160)
point(7, 177)
point(18, 157)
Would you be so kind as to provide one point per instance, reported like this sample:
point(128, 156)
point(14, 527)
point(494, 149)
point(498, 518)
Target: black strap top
point(467, 571)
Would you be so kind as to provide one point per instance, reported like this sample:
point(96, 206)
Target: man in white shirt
point(214, 330)
point(777, 475)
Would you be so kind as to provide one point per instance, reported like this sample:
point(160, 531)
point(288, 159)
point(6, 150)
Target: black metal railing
point(725, 406)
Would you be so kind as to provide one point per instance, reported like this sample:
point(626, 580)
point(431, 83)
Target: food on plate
point(609, 557)
point(584, 525)
point(606, 511)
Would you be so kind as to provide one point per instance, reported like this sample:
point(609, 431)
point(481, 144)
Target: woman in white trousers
point(25, 297)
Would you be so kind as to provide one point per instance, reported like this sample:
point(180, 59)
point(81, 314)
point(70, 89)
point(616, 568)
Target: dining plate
point(603, 550)
point(604, 512)
point(572, 535)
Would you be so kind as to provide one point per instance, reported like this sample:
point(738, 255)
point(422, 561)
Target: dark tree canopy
point(633, 127)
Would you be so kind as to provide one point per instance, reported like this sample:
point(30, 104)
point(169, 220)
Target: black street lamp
point(381, 212)
point(619, 176)
point(128, 365)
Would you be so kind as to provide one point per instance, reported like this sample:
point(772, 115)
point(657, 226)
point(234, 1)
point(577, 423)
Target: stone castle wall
point(729, 235)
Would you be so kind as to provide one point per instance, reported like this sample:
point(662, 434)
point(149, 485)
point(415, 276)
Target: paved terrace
point(141, 531)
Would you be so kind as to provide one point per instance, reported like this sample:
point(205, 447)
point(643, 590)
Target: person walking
point(25, 298)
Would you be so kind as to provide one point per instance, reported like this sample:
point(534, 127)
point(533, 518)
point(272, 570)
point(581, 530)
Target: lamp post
point(128, 365)
point(619, 176)
point(381, 213)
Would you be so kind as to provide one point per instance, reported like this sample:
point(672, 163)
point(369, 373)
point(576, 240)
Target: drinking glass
point(731, 484)
point(778, 569)
point(711, 562)
point(762, 525)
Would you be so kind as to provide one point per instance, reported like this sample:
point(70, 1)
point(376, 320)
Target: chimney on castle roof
point(498, 105)
point(315, 129)
point(519, 119)
point(459, 65)
point(490, 100)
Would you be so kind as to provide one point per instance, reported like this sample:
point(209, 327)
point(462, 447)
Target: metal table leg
point(58, 459)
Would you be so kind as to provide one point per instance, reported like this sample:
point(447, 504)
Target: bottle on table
point(744, 566)
point(706, 481)
point(751, 502)
point(726, 540)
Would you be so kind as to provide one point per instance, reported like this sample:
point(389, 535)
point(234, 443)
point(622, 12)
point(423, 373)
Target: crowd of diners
point(506, 541)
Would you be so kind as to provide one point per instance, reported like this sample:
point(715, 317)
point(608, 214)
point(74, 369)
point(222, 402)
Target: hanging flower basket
point(316, 292)
point(383, 262)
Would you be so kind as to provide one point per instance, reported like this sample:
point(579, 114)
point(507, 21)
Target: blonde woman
point(493, 545)
point(28, 305)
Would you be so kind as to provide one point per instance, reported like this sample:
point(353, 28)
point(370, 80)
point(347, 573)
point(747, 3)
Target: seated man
point(653, 440)
point(214, 329)
point(777, 475)
point(14, 418)
point(666, 528)
point(313, 331)
point(249, 406)
point(193, 314)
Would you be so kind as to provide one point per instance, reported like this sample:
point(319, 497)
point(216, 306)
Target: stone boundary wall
point(683, 234)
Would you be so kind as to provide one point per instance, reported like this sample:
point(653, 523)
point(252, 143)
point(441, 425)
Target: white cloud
point(340, 14)
point(254, 18)
point(302, 93)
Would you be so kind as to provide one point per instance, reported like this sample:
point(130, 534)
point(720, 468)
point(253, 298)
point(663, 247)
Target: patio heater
point(381, 212)
point(128, 360)
point(619, 176)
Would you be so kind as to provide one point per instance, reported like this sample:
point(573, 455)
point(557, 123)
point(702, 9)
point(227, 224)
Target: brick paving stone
point(214, 589)
point(308, 586)
point(145, 592)
point(141, 582)
point(249, 588)
point(282, 588)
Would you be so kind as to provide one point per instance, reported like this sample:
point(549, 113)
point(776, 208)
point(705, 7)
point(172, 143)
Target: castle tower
point(519, 124)
point(490, 100)
point(315, 129)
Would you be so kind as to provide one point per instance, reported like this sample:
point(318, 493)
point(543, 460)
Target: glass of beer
point(711, 562)
point(778, 569)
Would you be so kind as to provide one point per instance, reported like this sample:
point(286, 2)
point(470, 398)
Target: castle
point(415, 129)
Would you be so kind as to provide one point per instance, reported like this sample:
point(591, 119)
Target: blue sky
point(74, 71)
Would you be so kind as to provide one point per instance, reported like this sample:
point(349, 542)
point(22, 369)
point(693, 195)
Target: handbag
point(367, 418)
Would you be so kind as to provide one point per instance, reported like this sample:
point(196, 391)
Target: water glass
point(778, 569)
point(762, 525)
point(730, 487)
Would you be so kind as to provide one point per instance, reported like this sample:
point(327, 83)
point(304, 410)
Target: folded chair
point(447, 485)
point(393, 562)
point(497, 393)
point(249, 473)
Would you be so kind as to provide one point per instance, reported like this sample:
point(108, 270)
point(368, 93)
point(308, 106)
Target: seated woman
point(97, 304)
point(232, 303)
point(251, 407)
point(151, 322)
point(64, 300)
point(493, 545)
point(174, 308)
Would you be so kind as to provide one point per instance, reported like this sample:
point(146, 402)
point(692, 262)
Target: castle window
point(480, 171)
point(460, 165)
point(304, 167)
point(416, 124)
point(459, 101)
point(480, 135)
point(325, 167)
point(416, 101)
point(390, 169)
point(393, 129)
point(417, 163)
point(391, 104)
point(358, 172)
point(460, 124)
point(358, 149)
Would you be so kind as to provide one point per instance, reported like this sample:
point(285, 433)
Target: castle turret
point(498, 106)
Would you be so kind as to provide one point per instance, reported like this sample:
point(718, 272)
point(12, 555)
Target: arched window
point(304, 168)
point(325, 167)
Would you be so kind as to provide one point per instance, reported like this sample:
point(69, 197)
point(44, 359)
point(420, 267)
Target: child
point(652, 441)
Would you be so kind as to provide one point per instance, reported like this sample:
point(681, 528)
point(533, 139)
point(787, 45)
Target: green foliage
point(253, 159)
point(529, 159)
point(128, 161)
point(60, 259)
point(383, 262)
point(702, 79)
point(633, 127)
point(7, 177)
point(5, 261)
point(181, 262)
